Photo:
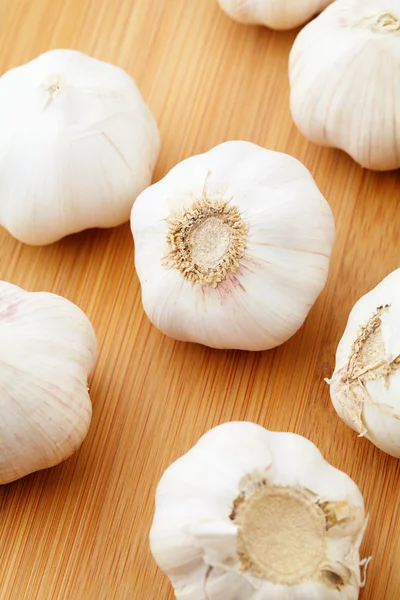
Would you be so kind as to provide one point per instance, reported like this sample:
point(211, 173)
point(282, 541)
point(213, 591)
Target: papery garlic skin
point(77, 146)
point(365, 386)
point(205, 526)
point(232, 247)
point(276, 14)
point(47, 349)
point(343, 91)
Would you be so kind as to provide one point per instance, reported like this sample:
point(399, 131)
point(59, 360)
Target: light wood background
point(79, 531)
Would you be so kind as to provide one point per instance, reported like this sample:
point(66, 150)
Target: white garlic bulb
point(365, 386)
point(276, 14)
point(250, 513)
point(47, 349)
point(343, 93)
point(77, 146)
point(232, 247)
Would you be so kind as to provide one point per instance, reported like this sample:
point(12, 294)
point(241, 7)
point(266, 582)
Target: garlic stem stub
point(365, 386)
point(78, 144)
point(232, 247)
point(47, 350)
point(250, 513)
point(344, 91)
point(276, 14)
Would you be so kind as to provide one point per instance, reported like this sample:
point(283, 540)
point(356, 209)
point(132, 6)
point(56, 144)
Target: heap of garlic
point(47, 349)
point(77, 146)
point(250, 513)
point(365, 387)
point(276, 14)
point(232, 247)
point(343, 89)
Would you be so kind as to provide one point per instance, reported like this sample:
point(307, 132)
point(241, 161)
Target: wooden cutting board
point(79, 531)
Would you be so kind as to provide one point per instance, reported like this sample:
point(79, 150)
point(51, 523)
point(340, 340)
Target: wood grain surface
point(79, 531)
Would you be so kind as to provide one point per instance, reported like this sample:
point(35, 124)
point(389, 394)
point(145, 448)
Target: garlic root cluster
point(232, 247)
point(47, 350)
point(276, 14)
point(365, 386)
point(344, 87)
point(250, 513)
point(77, 146)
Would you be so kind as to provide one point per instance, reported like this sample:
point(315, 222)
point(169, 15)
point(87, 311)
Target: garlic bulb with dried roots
point(47, 349)
point(365, 386)
point(276, 14)
point(344, 88)
point(77, 146)
point(250, 513)
point(232, 247)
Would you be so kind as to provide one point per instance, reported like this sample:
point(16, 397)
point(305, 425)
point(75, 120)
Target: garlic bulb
point(77, 145)
point(343, 92)
point(365, 386)
point(47, 349)
point(276, 14)
point(250, 513)
point(232, 247)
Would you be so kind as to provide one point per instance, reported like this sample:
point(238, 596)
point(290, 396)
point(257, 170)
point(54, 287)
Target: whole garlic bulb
point(77, 146)
point(47, 349)
point(343, 93)
point(250, 513)
point(232, 247)
point(276, 14)
point(365, 386)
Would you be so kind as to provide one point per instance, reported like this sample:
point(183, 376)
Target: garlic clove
point(276, 14)
point(232, 247)
point(48, 348)
point(216, 538)
point(365, 386)
point(224, 586)
point(85, 141)
point(339, 66)
point(274, 531)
